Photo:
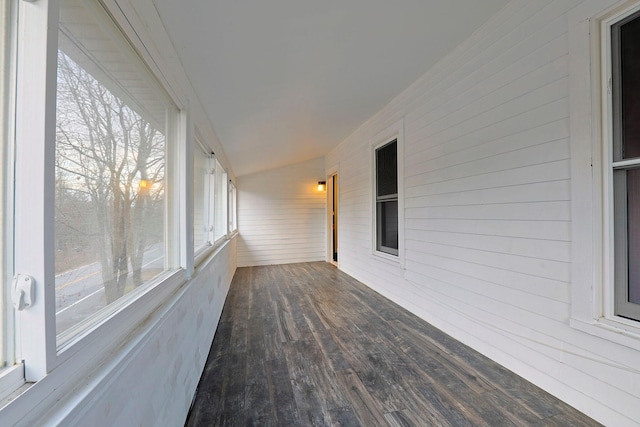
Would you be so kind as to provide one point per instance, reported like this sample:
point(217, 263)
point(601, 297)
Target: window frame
point(382, 200)
point(11, 374)
point(202, 253)
point(386, 136)
point(232, 215)
point(34, 210)
point(208, 189)
point(616, 186)
point(592, 281)
point(220, 189)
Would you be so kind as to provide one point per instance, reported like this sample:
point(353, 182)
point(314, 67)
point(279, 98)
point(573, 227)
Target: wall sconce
point(322, 185)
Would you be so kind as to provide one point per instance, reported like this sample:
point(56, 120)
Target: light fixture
point(321, 185)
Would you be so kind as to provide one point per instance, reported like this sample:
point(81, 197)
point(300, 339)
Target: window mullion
point(212, 191)
point(225, 203)
point(626, 164)
point(34, 181)
point(186, 172)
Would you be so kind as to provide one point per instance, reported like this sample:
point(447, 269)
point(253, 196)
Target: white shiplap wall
point(281, 215)
point(151, 379)
point(488, 209)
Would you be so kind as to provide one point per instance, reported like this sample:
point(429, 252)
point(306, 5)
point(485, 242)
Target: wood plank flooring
point(307, 345)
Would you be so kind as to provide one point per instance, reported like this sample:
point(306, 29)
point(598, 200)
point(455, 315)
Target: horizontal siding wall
point(281, 215)
point(166, 367)
point(152, 378)
point(488, 209)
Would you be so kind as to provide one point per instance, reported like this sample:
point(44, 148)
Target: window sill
point(206, 252)
point(11, 383)
point(395, 259)
point(619, 331)
point(203, 257)
point(92, 356)
point(119, 319)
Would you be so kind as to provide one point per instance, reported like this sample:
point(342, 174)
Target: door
point(332, 186)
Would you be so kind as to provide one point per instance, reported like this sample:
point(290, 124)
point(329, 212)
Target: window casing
point(233, 223)
point(386, 173)
point(623, 168)
point(203, 184)
point(220, 202)
point(387, 188)
point(210, 203)
point(7, 356)
point(593, 267)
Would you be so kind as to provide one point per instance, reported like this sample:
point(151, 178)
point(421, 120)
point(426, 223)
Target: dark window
point(625, 83)
point(387, 198)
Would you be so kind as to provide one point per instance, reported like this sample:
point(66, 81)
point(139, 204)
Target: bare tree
point(107, 156)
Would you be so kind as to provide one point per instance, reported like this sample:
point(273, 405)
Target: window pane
point(387, 169)
point(388, 226)
point(630, 87)
point(110, 200)
point(633, 230)
point(220, 203)
point(232, 207)
point(201, 175)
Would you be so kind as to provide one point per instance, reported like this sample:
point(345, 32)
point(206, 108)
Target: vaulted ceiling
point(287, 80)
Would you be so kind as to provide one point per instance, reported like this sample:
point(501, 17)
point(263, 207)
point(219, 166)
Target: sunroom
point(470, 164)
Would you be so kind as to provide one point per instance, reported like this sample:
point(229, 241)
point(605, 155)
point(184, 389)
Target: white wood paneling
point(282, 215)
point(488, 219)
point(152, 377)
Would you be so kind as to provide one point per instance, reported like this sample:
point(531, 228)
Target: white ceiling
point(287, 80)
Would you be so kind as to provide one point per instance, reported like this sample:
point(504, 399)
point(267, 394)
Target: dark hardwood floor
point(306, 345)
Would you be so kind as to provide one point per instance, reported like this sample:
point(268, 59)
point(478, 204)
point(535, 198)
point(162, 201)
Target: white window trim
point(232, 208)
point(225, 203)
point(204, 252)
point(34, 219)
point(592, 269)
point(212, 201)
point(225, 196)
point(395, 131)
point(10, 376)
point(35, 129)
point(210, 185)
point(186, 134)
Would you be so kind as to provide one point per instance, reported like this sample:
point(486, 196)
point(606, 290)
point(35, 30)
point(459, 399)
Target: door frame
point(331, 174)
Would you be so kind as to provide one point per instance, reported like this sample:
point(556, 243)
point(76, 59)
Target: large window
point(386, 177)
point(625, 163)
point(233, 201)
point(220, 202)
point(94, 159)
point(203, 198)
point(112, 139)
point(604, 172)
point(211, 200)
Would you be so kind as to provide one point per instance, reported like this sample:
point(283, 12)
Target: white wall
point(281, 215)
point(155, 383)
point(150, 380)
point(488, 209)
